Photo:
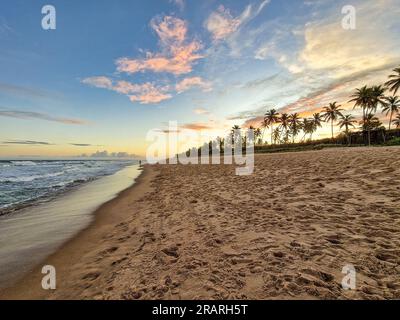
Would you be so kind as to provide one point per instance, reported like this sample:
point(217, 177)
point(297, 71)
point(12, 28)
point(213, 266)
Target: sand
point(200, 232)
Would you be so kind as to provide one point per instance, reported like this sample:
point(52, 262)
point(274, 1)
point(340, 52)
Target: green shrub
point(393, 142)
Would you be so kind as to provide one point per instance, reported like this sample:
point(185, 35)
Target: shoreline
point(28, 287)
point(201, 232)
point(51, 196)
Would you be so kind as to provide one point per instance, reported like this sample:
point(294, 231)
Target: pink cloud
point(150, 97)
point(126, 87)
point(148, 93)
point(177, 55)
point(201, 111)
point(179, 62)
point(221, 23)
point(143, 93)
point(188, 83)
point(198, 126)
point(170, 30)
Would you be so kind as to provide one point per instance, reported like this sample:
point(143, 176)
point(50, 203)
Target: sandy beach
point(201, 232)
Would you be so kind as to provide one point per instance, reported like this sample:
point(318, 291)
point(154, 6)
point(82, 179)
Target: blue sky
point(113, 70)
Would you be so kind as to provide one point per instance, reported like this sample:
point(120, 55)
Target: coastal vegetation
point(290, 130)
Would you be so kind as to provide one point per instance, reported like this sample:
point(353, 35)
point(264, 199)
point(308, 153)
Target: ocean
point(45, 203)
point(28, 182)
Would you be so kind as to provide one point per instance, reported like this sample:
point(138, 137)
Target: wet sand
point(200, 232)
point(31, 234)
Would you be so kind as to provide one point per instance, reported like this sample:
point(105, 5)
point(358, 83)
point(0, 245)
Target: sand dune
point(285, 232)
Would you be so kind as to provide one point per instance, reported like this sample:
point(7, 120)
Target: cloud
point(334, 90)
point(196, 126)
point(262, 5)
point(28, 115)
point(321, 44)
point(260, 83)
point(342, 52)
point(170, 30)
point(106, 154)
point(98, 82)
point(235, 37)
point(26, 142)
point(179, 61)
point(189, 83)
point(125, 87)
point(5, 28)
point(145, 93)
point(201, 111)
point(321, 62)
point(22, 91)
point(177, 55)
point(84, 145)
point(150, 96)
point(179, 3)
point(221, 23)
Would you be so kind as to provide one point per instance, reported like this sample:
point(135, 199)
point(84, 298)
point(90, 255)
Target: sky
point(112, 71)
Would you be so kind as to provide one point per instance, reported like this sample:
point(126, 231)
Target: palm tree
point(235, 133)
point(294, 125)
point(391, 106)
point(396, 121)
point(331, 113)
point(254, 137)
point(270, 118)
point(276, 134)
point(284, 125)
point(370, 122)
point(264, 125)
point(316, 121)
point(347, 121)
point(394, 83)
point(257, 133)
point(308, 127)
point(362, 99)
point(305, 125)
point(221, 144)
point(377, 98)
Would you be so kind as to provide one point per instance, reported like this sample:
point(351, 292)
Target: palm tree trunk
point(332, 127)
point(390, 120)
point(363, 126)
point(272, 131)
point(369, 137)
point(263, 134)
